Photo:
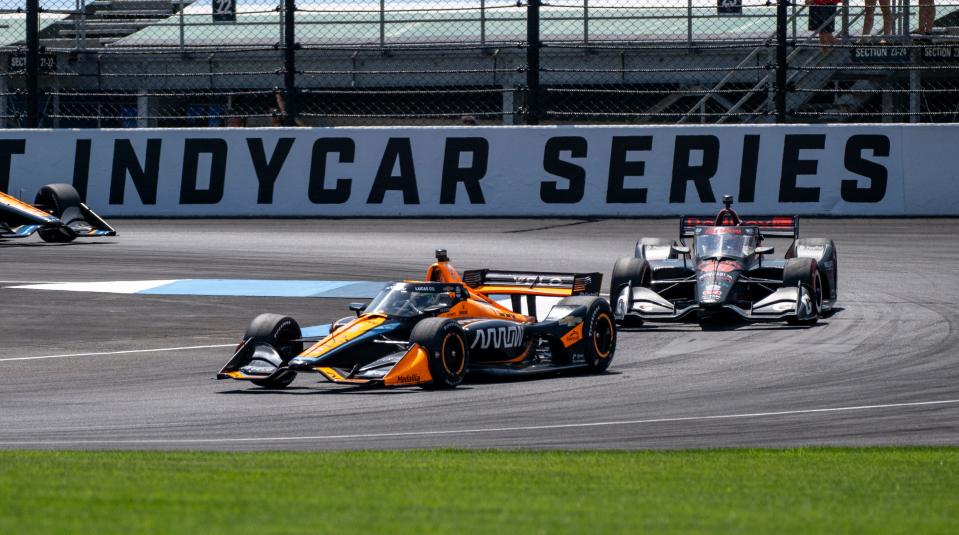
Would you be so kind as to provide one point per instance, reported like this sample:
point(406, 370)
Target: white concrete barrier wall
point(844, 170)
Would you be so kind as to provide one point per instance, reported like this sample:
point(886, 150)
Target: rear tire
point(279, 332)
point(448, 352)
point(600, 334)
point(642, 252)
point(59, 200)
point(599, 331)
point(804, 273)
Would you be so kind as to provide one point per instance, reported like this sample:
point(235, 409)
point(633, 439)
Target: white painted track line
point(482, 430)
point(31, 282)
point(113, 287)
point(124, 352)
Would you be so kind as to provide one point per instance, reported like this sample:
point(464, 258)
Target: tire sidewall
point(599, 336)
point(50, 196)
point(809, 279)
point(447, 350)
point(452, 354)
point(278, 331)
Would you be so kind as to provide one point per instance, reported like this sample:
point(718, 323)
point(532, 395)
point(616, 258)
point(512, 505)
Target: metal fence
point(137, 63)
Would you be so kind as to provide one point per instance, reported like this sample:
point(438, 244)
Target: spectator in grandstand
point(277, 113)
point(822, 19)
point(870, 13)
point(234, 120)
point(276, 117)
point(927, 15)
point(468, 120)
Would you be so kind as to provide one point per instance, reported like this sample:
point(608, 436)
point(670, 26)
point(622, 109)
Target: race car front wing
point(784, 303)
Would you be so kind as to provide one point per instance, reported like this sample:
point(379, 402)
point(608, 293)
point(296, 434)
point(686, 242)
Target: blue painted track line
point(269, 288)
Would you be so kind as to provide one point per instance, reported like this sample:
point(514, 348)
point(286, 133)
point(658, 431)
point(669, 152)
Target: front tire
point(448, 353)
point(804, 274)
point(59, 200)
point(628, 271)
point(824, 251)
point(280, 332)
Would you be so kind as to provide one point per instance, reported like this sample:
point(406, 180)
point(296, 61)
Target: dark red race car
point(727, 271)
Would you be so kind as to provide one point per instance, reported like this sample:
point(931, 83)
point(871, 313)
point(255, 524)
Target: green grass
point(881, 490)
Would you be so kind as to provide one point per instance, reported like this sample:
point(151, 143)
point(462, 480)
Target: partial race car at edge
point(57, 214)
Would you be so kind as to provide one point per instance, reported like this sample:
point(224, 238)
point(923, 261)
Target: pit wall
point(522, 171)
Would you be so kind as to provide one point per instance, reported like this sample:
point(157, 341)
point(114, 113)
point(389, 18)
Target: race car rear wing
point(769, 226)
point(497, 281)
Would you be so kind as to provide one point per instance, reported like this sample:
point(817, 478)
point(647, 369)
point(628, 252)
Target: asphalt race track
point(884, 369)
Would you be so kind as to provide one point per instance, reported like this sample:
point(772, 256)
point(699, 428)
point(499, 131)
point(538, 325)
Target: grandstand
point(169, 63)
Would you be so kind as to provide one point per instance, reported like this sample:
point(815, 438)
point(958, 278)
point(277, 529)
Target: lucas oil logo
point(503, 337)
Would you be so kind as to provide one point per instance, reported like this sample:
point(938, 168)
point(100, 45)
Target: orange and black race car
point(57, 215)
point(432, 333)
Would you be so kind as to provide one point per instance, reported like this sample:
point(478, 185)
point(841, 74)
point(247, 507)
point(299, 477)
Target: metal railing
point(172, 63)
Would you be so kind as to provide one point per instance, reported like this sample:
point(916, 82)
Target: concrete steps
point(104, 21)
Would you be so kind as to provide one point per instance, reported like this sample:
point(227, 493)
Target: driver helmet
point(423, 300)
point(446, 299)
point(731, 246)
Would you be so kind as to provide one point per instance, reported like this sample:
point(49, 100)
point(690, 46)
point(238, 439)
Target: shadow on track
point(724, 325)
point(546, 376)
point(342, 390)
point(14, 244)
point(694, 327)
point(378, 390)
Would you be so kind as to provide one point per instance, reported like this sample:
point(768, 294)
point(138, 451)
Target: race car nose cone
point(710, 297)
point(714, 282)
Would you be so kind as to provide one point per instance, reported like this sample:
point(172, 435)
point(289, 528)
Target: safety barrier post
point(482, 22)
point(781, 21)
point(533, 104)
point(289, 69)
point(845, 23)
point(33, 63)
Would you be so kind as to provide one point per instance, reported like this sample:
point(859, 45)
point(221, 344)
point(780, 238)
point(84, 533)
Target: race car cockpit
point(719, 242)
point(409, 299)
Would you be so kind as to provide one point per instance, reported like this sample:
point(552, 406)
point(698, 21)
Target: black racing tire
point(628, 270)
point(448, 351)
point(831, 259)
point(803, 272)
point(641, 253)
point(633, 271)
point(58, 199)
point(280, 332)
point(599, 331)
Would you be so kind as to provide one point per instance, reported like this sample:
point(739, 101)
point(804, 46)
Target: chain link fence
point(207, 63)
